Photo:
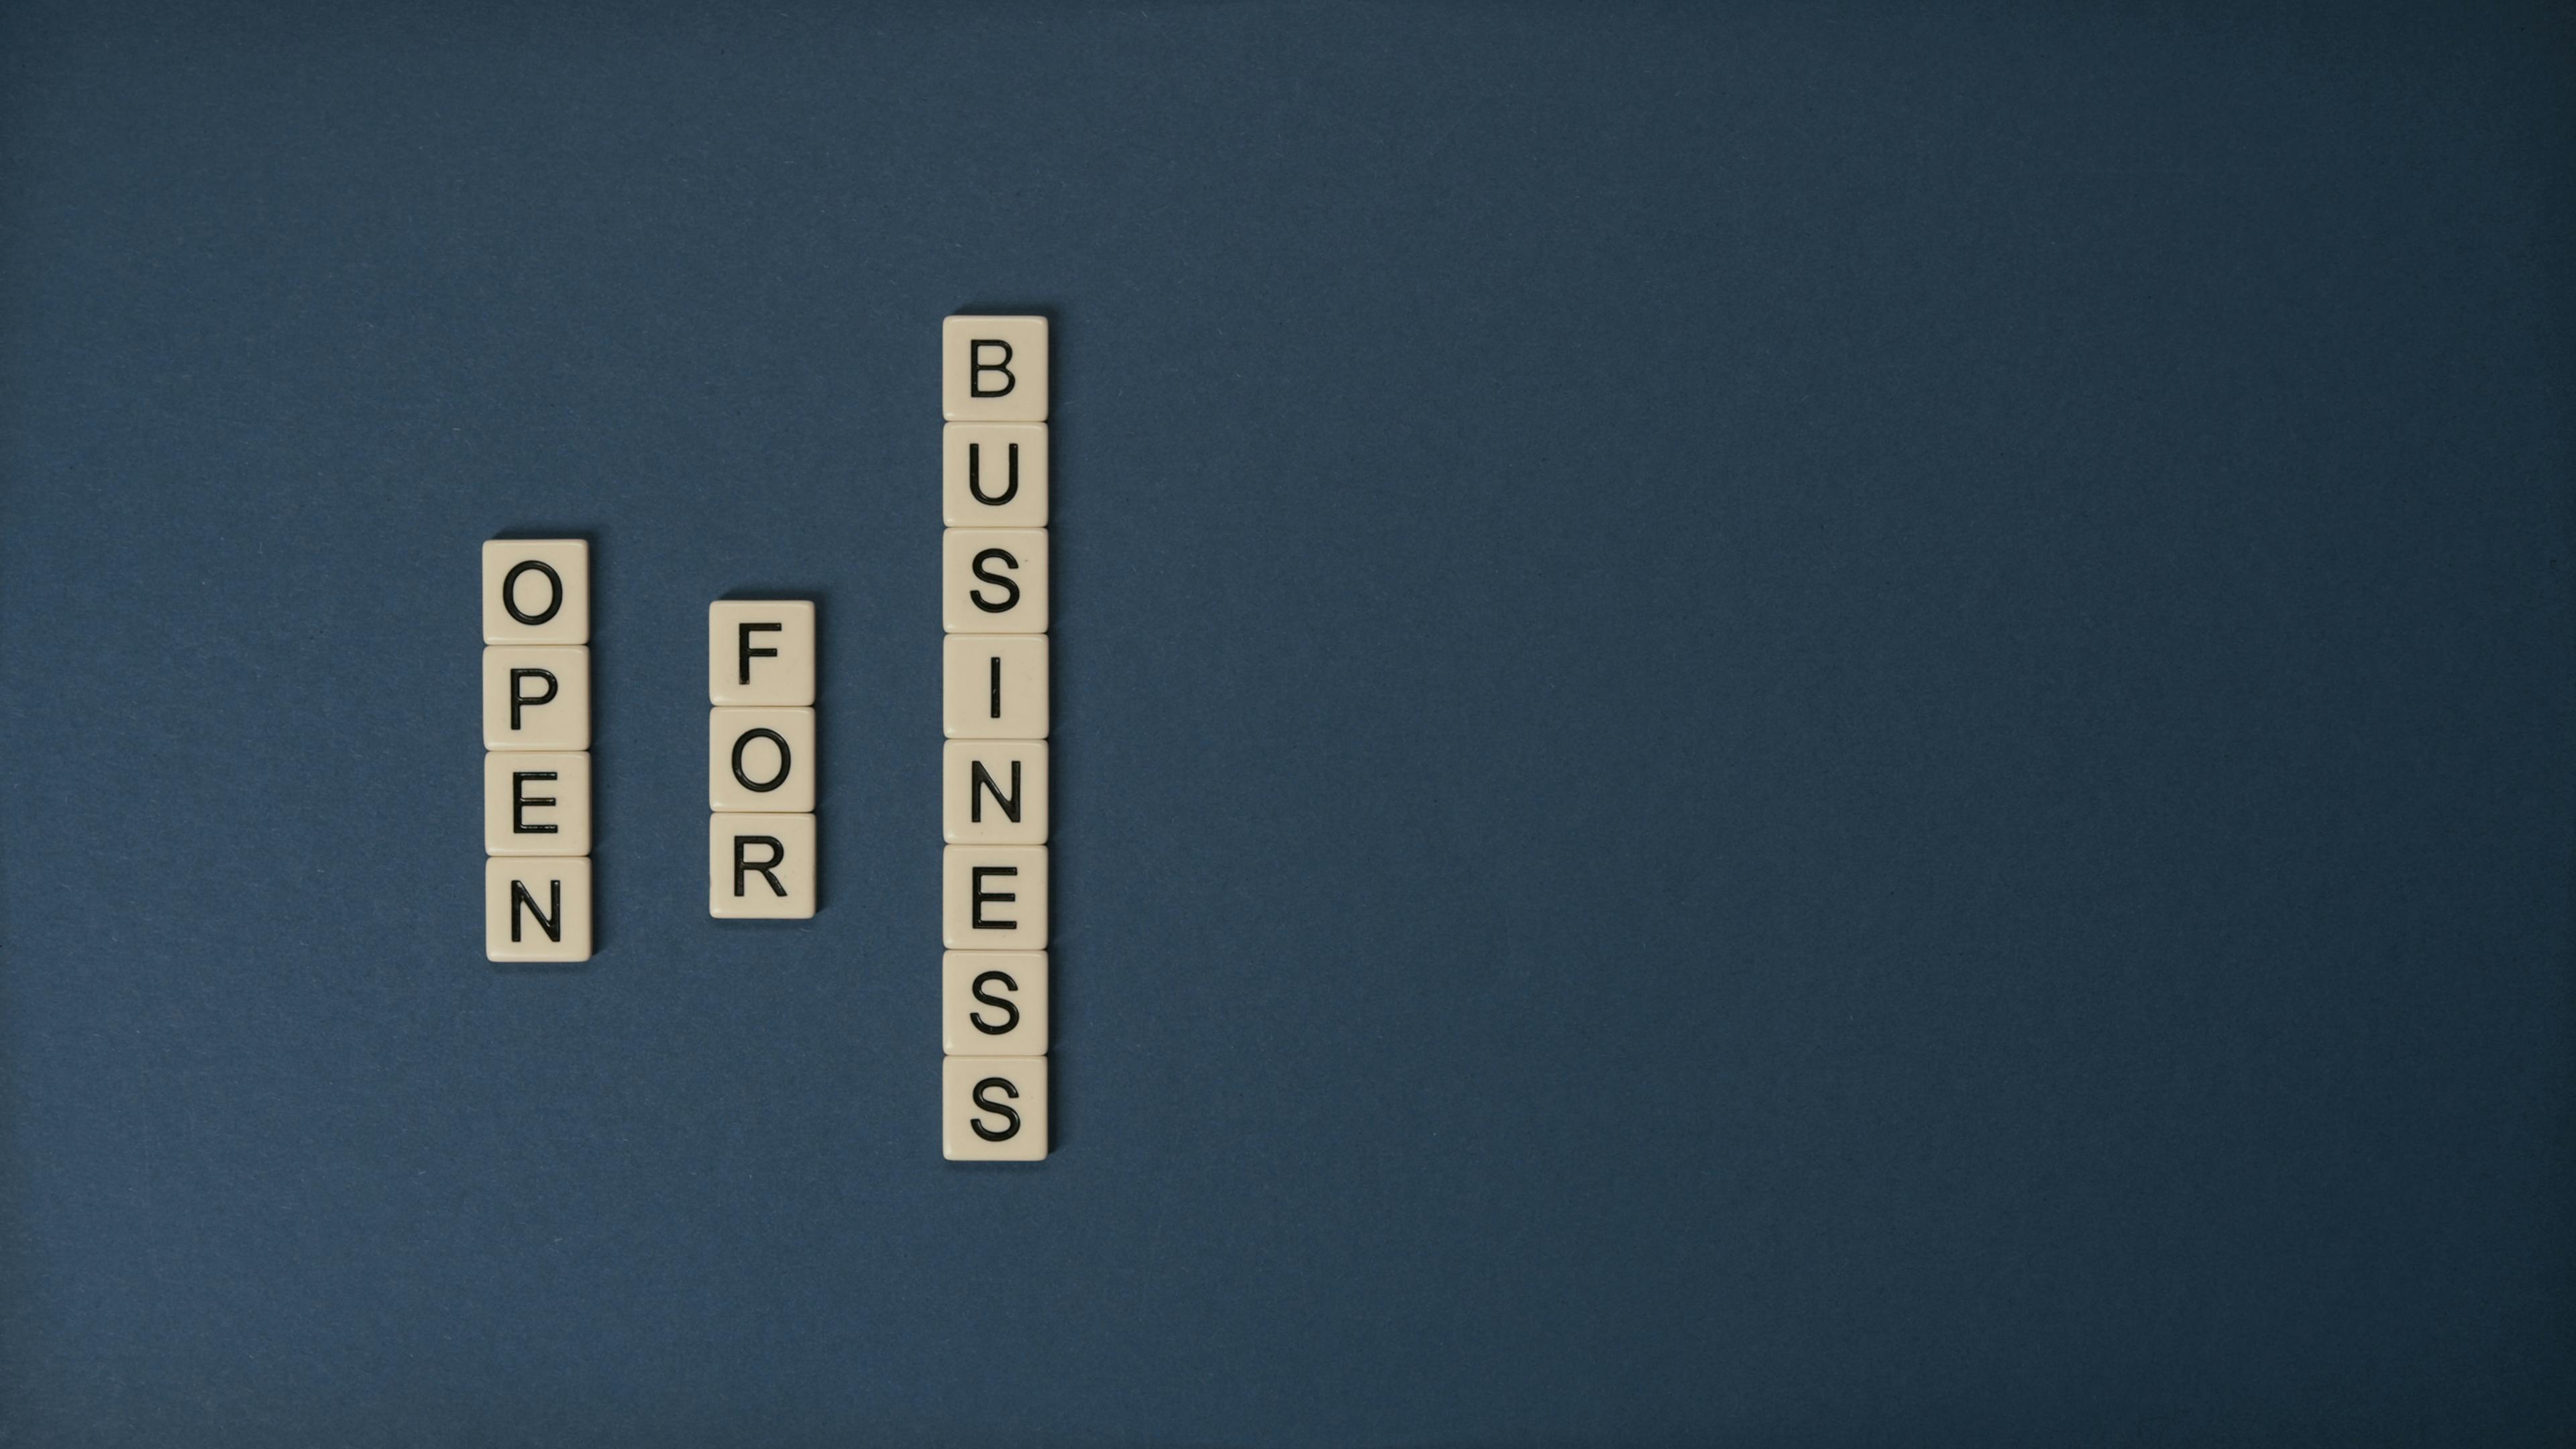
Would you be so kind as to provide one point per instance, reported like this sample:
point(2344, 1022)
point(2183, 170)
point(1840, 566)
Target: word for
point(993, 775)
point(760, 759)
point(536, 737)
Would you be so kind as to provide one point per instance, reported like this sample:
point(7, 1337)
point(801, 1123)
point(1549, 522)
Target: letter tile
point(536, 591)
point(760, 867)
point(993, 581)
point(536, 803)
point(994, 1003)
point(536, 908)
point(994, 792)
point(994, 686)
point(761, 759)
point(993, 369)
point(536, 697)
point(993, 475)
point(996, 1109)
point(993, 897)
point(760, 652)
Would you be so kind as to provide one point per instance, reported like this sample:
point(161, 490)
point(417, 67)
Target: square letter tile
point(761, 759)
point(993, 369)
point(536, 908)
point(994, 792)
point(536, 697)
point(993, 1003)
point(994, 897)
point(994, 686)
point(995, 1109)
point(536, 803)
point(993, 475)
point(760, 867)
point(536, 591)
point(760, 651)
point(993, 581)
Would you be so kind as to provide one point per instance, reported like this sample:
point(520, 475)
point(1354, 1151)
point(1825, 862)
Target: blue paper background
point(1795, 726)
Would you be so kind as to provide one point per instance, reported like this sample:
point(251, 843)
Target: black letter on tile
point(520, 801)
point(774, 781)
point(977, 595)
point(975, 470)
point(519, 701)
point(749, 654)
point(551, 925)
point(982, 895)
point(510, 591)
point(976, 990)
point(987, 1133)
point(978, 780)
point(997, 686)
point(978, 367)
point(766, 868)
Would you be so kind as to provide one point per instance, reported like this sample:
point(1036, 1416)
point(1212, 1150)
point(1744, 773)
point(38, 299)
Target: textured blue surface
point(1808, 727)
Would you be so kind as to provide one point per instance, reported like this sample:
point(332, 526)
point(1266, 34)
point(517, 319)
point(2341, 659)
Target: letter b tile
point(993, 369)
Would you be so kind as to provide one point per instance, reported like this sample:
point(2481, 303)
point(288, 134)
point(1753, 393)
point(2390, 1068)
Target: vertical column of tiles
point(760, 760)
point(993, 773)
point(536, 738)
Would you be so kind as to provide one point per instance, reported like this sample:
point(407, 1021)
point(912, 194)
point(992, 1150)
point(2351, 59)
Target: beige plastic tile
point(536, 908)
point(994, 687)
point(760, 651)
point(994, 1109)
point(993, 1003)
point(536, 591)
point(536, 803)
point(760, 867)
point(761, 759)
point(993, 475)
point(993, 581)
point(994, 898)
point(994, 792)
point(536, 697)
point(993, 369)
